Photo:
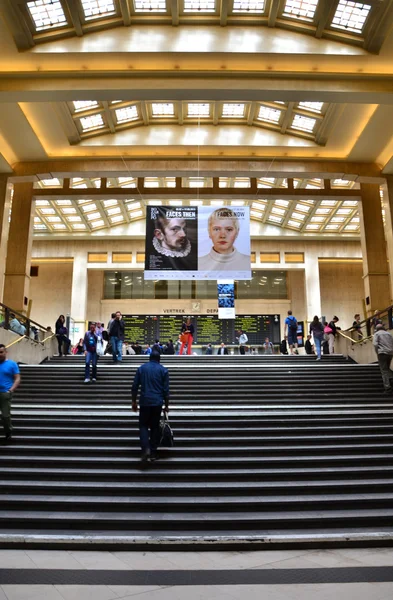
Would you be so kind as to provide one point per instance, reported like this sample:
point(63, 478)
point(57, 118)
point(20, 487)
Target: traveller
point(242, 339)
point(290, 333)
point(209, 350)
point(222, 350)
point(357, 326)
point(268, 346)
point(383, 345)
point(9, 381)
point(16, 326)
point(317, 331)
point(99, 331)
point(376, 319)
point(116, 334)
point(178, 344)
point(130, 349)
point(171, 248)
point(332, 333)
point(138, 348)
point(153, 379)
point(148, 350)
point(157, 347)
point(113, 317)
point(79, 348)
point(90, 342)
point(187, 329)
point(308, 346)
point(223, 227)
point(254, 351)
point(169, 348)
point(62, 335)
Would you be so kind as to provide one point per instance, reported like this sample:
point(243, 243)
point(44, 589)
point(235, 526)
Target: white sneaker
point(318, 358)
point(94, 379)
point(87, 380)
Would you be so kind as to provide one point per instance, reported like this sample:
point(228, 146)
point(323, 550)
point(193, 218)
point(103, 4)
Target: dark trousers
point(5, 407)
point(384, 364)
point(242, 350)
point(91, 357)
point(63, 339)
point(149, 419)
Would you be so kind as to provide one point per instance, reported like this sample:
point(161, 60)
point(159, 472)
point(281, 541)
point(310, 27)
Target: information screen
point(209, 329)
point(140, 328)
point(169, 327)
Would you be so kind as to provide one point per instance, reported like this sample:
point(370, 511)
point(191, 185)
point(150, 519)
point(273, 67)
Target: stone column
point(388, 206)
point(79, 286)
point(313, 288)
point(375, 264)
point(20, 239)
point(5, 203)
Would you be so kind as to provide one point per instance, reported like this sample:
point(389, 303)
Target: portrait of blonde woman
point(223, 230)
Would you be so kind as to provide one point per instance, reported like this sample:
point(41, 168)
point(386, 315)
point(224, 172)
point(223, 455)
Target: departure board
point(140, 328)
point(169, 327)
point(209, 329)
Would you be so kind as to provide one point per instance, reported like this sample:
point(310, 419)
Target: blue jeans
point(93, 358)
point(318, 342)
point(117, 346)
point(149, 418)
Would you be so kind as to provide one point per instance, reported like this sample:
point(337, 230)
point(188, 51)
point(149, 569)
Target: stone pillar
point(79, 286)
point(388, 206)
point(313, 289)
point(5, 203)
point(17, 273)
point(375, 264)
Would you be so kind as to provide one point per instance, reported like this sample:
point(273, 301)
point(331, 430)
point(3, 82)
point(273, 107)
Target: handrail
point(28, 324)
point(386, 312)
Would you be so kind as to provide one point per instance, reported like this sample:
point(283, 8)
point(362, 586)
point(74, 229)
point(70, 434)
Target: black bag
point(105, 336)
point(166, 433)
point(283, 347)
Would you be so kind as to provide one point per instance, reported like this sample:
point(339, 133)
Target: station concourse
point(280, 482)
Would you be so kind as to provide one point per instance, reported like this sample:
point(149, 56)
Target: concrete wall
point(25, 350)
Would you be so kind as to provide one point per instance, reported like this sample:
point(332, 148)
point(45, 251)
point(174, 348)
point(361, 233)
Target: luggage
point(283, 347)
point(166, 433)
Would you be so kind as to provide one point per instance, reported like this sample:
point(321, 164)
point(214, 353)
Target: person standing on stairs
point(290, 333)
point(90, 342)
point(153, 379)
point(116, 336)
point(9, 381)
point(383, 345)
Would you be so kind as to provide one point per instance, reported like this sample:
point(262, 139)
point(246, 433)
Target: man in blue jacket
point(153, 379)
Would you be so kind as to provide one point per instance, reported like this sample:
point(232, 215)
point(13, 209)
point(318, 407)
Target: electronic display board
point(209, 329)
point(140, 328)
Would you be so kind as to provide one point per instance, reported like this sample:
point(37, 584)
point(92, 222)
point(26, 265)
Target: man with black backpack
point(290, 333)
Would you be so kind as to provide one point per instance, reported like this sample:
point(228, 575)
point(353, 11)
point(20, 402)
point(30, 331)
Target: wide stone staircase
point(269, 451)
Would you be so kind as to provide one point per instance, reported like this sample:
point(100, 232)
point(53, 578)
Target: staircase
point(269, 451)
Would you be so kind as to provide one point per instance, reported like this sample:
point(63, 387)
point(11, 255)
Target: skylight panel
point(294, 223)
point(93, 215)
point(299, 216)
point(128, 113)
point(92, 122)
point(313, 106)
point(95, 9)
point(68, 211)
point(136, 214)
point(48, 211)
point(350, 16)
point(332, 227)
point(40, 226)
point(351, 227)
point(59, 226)
point(202, 6)
point(248, 6)
point(233, 110)
point(278, 211)
point(42, 202)
point(258, 206)
point(117, 219)
point(275, 219)
point(256, 213)
point(198, 110)
point(300, 9)
point(114, 211)
point(150, 5)
point(84, 105)
point(303, 123)
point(163, 109)
point(74, 219)
point(47, 14)
point(78, 226)
point(270, 115)
point(108, 203)
point(135, 205)
point(63, 202)
point(89, 207)
point(100, 223)
point(313, 226)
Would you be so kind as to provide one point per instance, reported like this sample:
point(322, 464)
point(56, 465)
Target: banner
point(197, 242)
point(226, 299)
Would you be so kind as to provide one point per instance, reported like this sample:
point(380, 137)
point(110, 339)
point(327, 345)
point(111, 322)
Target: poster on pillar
point(226, 298)
point(197, 243)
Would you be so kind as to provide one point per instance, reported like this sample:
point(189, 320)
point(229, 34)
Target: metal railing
point(366, 328)
point(25, 327)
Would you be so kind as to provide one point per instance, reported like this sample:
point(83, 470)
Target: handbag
point(328, 329)
point(166, 433)
point(184, 337)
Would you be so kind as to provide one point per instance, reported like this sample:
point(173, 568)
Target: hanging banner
point(197, 243)
point(226, 299)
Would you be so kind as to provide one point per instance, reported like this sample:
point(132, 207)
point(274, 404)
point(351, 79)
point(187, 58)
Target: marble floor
point(184, 575)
